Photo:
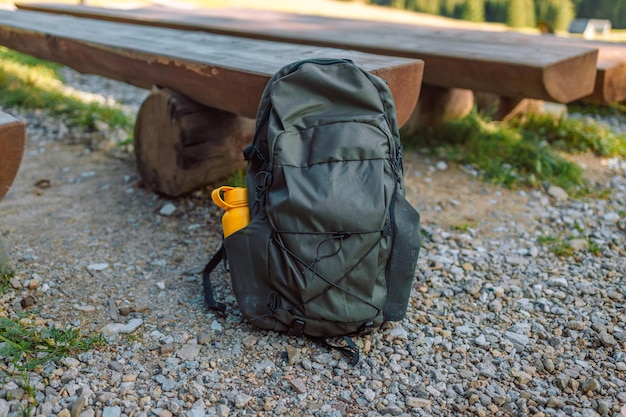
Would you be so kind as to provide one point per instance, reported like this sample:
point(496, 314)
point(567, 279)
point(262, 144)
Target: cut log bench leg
point(506, 108)
point(12, 143)
point(437, 105)
point(181, 145)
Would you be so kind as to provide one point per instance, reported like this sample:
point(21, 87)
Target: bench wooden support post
point(12, 143)
point(181, 145)
point(438, 105)
point(506, 108)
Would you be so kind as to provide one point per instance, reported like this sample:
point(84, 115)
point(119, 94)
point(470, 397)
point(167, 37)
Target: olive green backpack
point(332, 244)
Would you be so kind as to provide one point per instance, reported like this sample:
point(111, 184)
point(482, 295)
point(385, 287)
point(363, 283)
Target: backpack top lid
point(313, 91)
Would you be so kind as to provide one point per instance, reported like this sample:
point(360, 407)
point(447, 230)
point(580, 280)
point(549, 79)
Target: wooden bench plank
point(560, 73)
point(610, 84)
point(222, 72)
point(12, 143)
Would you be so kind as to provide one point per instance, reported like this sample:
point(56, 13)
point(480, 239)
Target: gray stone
point(558, 193)
point(111, 412)
point(97, 266)
point(481, 341)
point(606, 339)
point(548, 365)
point(4, 408)
point(242, 400)
point(611, 217)
point(264, 365)
point(369, 395)
point(167, 209)
point(441, 166)
point(196, 411)
point(188, 352)
point(71, 362)
point(298, 385)
point(204, 338)
point(578, 244)
point(222, 410)
point(293, 355)
point(78, 406)
point(554, 402)
point(114, 329)
point(399, 332)
point(415, 402)
point(517, 260)
point(519, 340)
point(590, 385)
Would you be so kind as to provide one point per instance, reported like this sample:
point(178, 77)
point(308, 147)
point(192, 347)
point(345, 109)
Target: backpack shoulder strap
point(209, 296)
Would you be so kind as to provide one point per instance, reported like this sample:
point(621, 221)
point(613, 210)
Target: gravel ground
point(497, 325)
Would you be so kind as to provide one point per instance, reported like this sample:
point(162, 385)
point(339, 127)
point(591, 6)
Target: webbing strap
point(350, 350)
point(209, 296)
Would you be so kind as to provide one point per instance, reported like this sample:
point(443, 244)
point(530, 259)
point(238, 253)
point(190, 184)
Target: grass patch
point(500, 152)
point(557, 245)
point(28, 347)
point(5, 281)
point(612, 109)
point(560, 245)
point(237, 178)
point(595, 248)
point(464, 227)
point(573, 135)
point(30, 83)
point(521, 153)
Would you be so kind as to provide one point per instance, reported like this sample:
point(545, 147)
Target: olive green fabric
point(332, 245)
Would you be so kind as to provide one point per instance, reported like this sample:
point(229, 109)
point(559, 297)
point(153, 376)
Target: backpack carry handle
point(216, 196)
point(234, 197)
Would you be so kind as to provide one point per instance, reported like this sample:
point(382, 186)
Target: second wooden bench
point(503, 72)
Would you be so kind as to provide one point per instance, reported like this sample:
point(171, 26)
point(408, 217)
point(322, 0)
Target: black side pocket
point(403, 259)
point(247, 251)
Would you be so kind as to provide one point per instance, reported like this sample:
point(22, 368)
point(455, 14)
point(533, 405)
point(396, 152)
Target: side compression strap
point(209, 297)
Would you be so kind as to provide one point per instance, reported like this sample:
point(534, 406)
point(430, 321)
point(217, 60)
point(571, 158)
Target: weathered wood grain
point(223, 72)
point(181, 145)
point(475, 60)
point(12, 143)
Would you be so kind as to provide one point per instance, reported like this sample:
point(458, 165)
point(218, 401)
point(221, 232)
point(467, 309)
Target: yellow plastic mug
point(235, 202)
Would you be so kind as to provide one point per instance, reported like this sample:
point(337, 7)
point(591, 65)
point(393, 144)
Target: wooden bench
point(610, 82)
point(494, 62)
point(12, 143)
point(191, 129)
